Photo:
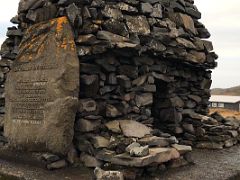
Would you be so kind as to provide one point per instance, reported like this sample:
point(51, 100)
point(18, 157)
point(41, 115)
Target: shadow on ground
point(9, 177)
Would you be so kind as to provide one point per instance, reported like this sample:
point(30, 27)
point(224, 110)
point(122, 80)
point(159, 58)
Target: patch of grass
point(225, 112)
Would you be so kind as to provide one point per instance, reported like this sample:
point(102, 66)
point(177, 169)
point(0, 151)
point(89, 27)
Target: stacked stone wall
point(144, 64)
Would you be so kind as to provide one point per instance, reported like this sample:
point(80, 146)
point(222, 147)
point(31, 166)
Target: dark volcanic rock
point(115, 26)
point(137, 24)
point(112, 12)
point(146, 8)
point(89, 85)
point(42, 14)
point(73, 14)
point(25, 5)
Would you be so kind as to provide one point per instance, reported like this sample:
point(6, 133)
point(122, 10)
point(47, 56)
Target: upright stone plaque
point(42, 89)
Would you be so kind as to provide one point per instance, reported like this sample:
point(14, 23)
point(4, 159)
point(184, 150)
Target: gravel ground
point(210, 165)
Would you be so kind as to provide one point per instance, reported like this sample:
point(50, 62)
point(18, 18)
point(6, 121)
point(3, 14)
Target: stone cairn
point(144, 80)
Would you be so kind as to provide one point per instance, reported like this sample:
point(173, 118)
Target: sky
point(222, 19)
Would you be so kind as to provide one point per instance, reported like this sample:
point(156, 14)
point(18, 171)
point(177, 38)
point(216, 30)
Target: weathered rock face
point(43, 88)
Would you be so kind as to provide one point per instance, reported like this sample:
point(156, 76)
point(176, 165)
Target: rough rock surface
point(107, 175)
point(156, 155)
point(42, 89)
point(134, 129)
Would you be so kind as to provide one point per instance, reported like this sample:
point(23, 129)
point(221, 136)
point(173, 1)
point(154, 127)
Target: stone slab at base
point(224, 165)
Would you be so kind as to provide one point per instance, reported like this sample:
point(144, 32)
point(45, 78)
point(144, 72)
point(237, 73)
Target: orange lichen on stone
point(40, 49)
point(60, 22)
point(70, 45)
point(73, 46)
point(64, 44)
point(34, 46)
